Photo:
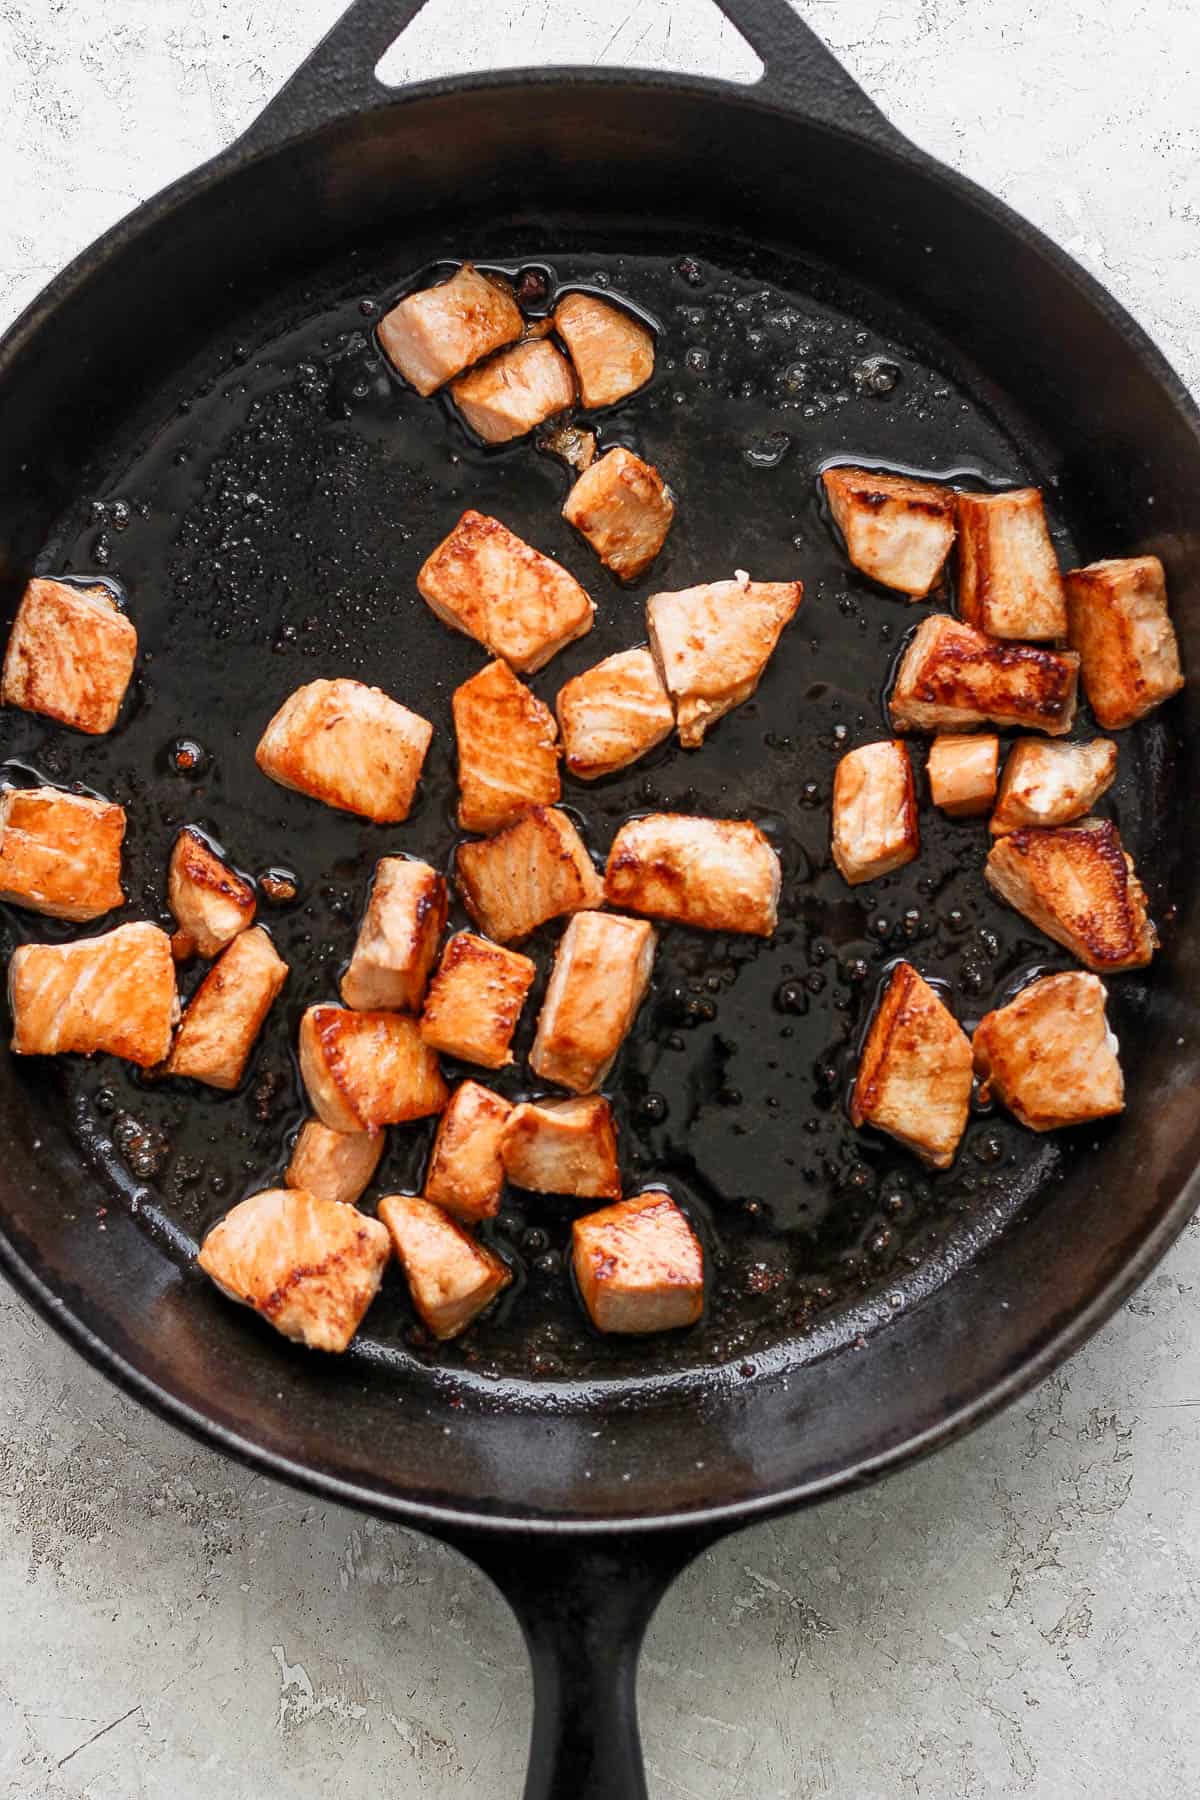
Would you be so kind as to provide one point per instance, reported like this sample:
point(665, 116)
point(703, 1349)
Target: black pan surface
point(270, 532)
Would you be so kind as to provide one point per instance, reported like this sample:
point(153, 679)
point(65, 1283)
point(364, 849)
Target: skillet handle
point(338, 78)
point(584, 1605)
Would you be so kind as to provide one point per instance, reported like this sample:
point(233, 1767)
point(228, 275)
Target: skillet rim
point(1084, 1321)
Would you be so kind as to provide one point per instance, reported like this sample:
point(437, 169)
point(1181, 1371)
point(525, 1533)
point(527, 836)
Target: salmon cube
point(1009, 583)
point(466, 1172)
point(713, 874)
point(310, 1266)
point(1077, 884)
point(563, 1147)
point(227, 1012)
point(1119, 623)
point(211, 903)
point(639, 1266)
point(60, 853)
point(1052, 784)
point(451, 1276)
point(1049, 1055)
point(348, 745)
point(537, 869)
point(475, 1000)
point(398, 938)
point(334, 1165)
point(914, 1075)
point(600, 975)
point(962, 773)
point(612, 351)
point(485, 581)
point(70, 656)
point(874, 812)
point(365, 1070)
point(507, 750)
point(115, 992)
point(952, 675)
point(613, 713)
point(434, 335)
point(511, 393)
point(624, 509)
point(713, 642)
point(897, 530)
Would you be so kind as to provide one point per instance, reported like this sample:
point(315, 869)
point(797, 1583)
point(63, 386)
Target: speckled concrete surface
point(1020, 1616)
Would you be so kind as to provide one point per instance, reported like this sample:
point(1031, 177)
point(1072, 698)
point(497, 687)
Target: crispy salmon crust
point(914, 1074)
point(70, 656)
point(365, 1070)
point(1120, 625)
point(60, 853)
point(451, 1276)
point(1049, 1055)
point(896, 530)
point(485, 581)
point(310, 1267)
point(639, 1266)
point(713, 874)
point(1077, 884)
point(952, 675)
point(507, 750)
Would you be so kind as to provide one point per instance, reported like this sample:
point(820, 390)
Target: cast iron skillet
point(209, 342)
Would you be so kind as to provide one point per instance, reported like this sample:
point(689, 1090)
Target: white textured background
point(1019, 1617)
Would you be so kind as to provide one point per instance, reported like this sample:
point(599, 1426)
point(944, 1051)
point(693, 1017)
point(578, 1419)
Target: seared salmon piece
point(613, 713)
point(714, 874)
point(475, 1000)
point(1049, 1055)
point(874, 812)
point(914, 1075)
point(485, 581)
point(310, 1266)
point(639, 1265)
point(563, 1147)
point(434, 335)
point(624, 509)
point(1009, 583)
point(334, 1165)
point(507, 750)
point(713, 642)
point(1119, 623)
point(115, 992)
point(227, 1012)
point(466, 1172)
point(612, 351)
point(451, 1276)
point(348, 745)
point(897, 530)
point(952, 675)
point(70, 656)
point(211, 903)
point(537, 869)
point(1052, 784)
point(60, 853)
point(962, 773)
point(573, 444)
point(1077, 884)
point(515, 390)
point(600, 975)
point(398, 938)
point(365, 1070)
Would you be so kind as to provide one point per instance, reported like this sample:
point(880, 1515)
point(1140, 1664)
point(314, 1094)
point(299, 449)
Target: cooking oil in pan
point(269, 530)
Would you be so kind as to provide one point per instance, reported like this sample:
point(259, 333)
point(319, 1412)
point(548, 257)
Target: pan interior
point(267, 509)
